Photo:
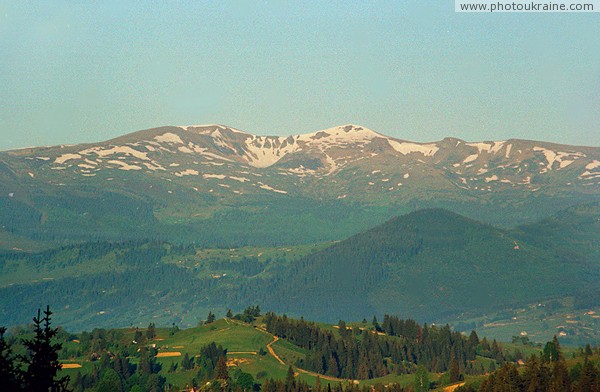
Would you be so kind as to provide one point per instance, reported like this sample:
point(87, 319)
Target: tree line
point(547, 372)
point(363, 353)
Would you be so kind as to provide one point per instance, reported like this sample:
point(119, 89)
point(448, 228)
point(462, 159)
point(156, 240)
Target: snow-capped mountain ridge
point(264, 151)
point(356, 162)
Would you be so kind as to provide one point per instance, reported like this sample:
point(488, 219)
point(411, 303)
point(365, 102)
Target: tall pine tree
point(41, 359)
point(10, 375)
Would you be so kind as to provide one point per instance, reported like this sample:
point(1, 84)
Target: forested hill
point(428, 264)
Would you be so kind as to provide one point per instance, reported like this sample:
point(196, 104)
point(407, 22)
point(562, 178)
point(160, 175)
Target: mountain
point(433, 263)
point(199, 182)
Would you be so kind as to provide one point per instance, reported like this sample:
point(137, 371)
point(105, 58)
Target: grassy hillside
point(247, 351)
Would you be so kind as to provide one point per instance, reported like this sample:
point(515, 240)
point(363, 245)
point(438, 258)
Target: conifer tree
point(560, 380)
point(10, 376)
point(318, 386)
point(421, 379)
point(589, 380)
point(222, 372)
point(210, 318)
point(342, 328)
point(454, 370)
point(185, 362)
point(551, 351)
point(376, 324)
point(145, 363)
point(151, 332)
point(41, 359)
point(290, 380)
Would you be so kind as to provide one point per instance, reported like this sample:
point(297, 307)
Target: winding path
point(274, 354)
point(300, 370)
point(451, 388)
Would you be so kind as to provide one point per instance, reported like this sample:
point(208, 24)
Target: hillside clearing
point(166, 354)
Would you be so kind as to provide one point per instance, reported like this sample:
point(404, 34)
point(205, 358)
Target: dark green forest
point(431, 264)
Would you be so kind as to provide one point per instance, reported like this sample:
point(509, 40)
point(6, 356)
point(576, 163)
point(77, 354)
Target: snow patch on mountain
point(154, 166)
point(471, 158)
point(269, 188)
point(168, 137)
point(187, 172)
point(565, 163)
point(265, 151)
point(592, 165)
point(344, 134)
point(208, 128)
point(332, 164)
point(557, 156)
point(124, 165)
point(490, 147)
point(185, 150)
point(217, 176)
point(66, 157)
point(405, 148)
point(115, 150)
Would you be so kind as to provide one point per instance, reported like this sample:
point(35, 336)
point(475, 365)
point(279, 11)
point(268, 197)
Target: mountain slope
point(430, 264)
point(568, 233)
point(174, 181)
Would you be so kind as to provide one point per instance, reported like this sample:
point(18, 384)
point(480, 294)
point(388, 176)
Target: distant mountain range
point(210, 183)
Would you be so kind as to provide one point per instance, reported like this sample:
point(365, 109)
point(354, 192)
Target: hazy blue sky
point(75, 72)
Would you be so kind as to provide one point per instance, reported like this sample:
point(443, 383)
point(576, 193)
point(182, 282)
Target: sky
point(80, 71)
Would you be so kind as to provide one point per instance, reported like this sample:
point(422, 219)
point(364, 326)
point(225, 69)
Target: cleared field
point(451, 388)
point(233, 336)
point(71, 366)
point(167, 354)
